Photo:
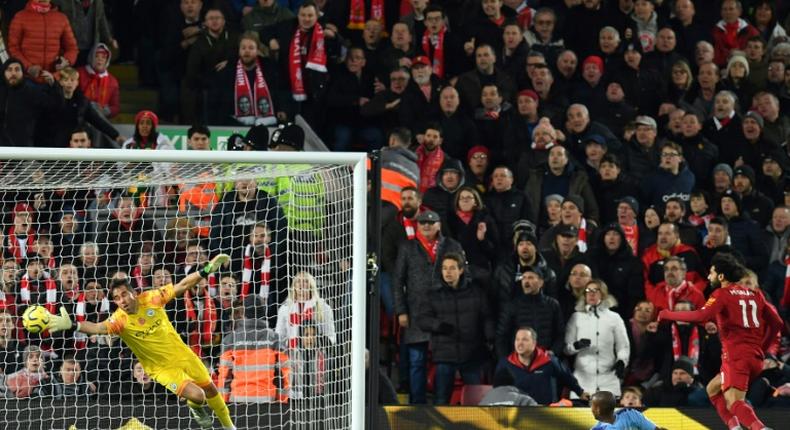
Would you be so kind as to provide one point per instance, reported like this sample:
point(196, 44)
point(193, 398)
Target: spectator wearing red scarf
point(732, 32)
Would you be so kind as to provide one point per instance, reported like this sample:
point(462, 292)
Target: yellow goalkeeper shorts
point(180, 372)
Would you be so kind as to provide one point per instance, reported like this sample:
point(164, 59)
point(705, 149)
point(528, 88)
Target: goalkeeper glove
point(61, 322)
point(214, 265)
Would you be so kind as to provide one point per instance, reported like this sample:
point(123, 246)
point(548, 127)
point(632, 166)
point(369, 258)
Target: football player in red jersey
point(747, 325)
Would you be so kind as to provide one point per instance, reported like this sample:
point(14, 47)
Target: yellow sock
point(217, 404)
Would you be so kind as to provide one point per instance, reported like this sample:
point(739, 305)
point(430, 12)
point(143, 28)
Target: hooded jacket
point(594, 365)
point(466, 310)
point(100, 88)
point(621, 270)
point(439, 198)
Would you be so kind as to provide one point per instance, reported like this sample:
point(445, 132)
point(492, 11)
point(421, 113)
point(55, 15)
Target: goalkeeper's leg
point(197, 397)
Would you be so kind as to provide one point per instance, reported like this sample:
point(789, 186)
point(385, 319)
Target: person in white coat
point(596, 335)
point(303, 304)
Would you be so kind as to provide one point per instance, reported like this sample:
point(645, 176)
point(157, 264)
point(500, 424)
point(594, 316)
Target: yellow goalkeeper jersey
point(148, 332)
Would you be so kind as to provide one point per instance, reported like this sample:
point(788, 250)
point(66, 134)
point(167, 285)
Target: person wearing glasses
point(597, 337)
point(672, 179)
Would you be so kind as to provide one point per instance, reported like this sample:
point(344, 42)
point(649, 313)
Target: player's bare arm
point(193, 279)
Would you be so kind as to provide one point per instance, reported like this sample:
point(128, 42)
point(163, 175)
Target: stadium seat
point(472, 394)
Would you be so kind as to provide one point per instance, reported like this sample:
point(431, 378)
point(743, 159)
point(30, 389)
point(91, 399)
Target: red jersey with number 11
point(747, 324)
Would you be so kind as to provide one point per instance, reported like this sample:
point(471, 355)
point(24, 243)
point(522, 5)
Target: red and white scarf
point(264, 269)
point(80, 339)
point(139, 279)
point(4, 301)
point(356, 16)
point(437, 42)
point(786, 297)
point(429, 163)
point(17, 251)
point(299, 312)
point(676, 294)
point(97, 88)
point(207, 322)
point(40, 7)
point(316, 59)
point(698, 220)
point(51, 291)
point(693, 346)
point(255, 95)
point(582, 242)
point(430, 246)
point(409, 225)
point(631, 233)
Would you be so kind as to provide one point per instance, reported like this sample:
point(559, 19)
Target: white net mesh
point(273, 327)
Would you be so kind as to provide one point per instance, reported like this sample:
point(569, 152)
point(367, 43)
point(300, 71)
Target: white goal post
point(336, 249)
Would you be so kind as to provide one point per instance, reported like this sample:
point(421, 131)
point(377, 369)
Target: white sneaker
point(202, 417)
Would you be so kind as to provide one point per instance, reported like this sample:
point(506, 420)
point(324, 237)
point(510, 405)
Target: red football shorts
point(738, 373)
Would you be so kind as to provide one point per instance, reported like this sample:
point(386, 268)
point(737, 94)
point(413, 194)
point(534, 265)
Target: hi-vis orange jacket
point(253, 367)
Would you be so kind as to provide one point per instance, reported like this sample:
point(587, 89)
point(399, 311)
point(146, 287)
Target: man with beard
point(420, 100)
point(471, 83)
point(755, 203)
point(395, 230)
point(249, 92)
point(29, 102)
point(430, 156)
point(524, 254)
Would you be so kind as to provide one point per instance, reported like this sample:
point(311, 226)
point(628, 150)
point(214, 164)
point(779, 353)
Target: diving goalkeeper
point(142, 324)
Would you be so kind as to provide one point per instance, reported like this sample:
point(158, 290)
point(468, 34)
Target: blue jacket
point(662, 184)
point(539, 379)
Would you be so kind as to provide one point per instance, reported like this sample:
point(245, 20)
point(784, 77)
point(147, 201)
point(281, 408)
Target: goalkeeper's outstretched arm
point(63, 322)
point(193, 279)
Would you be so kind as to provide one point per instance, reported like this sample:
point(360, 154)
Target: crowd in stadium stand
point(554, 174)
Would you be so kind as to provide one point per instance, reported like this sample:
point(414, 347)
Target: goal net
point(280, 329)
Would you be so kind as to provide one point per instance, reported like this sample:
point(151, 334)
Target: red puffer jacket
point(38, 38)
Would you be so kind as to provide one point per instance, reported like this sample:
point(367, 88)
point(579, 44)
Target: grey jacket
point(415, 276)
point(507, 395)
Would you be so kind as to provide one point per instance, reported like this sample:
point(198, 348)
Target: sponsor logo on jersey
point(149, 330)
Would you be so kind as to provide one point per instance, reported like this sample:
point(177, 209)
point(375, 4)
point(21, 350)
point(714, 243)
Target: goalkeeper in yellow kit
point(142, 324)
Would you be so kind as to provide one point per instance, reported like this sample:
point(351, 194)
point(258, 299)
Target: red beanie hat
point(474, 150)
point(598, 61)
point(147, 113)
point(529, 93)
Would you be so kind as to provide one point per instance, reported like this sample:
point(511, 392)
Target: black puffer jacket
point(415, 276)
point(621, 270)
point(508, 207)
point(465, 309)
point(505, 284)
point(538, 311)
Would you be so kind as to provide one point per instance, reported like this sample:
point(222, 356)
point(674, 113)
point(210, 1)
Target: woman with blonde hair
point(596, 335)
point(304, 304)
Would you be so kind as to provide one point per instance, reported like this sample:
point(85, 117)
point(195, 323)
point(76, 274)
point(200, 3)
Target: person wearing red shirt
point(747, 327)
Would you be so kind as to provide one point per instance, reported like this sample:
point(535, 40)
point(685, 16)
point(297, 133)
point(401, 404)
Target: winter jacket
point(232, 219)
point(58, 390)
point(746, 238)
point(776, 242)
point(663, 185)
point(721, 48)
point(254, 365)
point(709, 360)
point(414, 278)
point(640, 162)
point(621, 270)
point(538, 311)
point(439, 198)
point(653, 263)
point(73, 112)
point(206, 53)
point(577, 142)
point(38, 39)
point(507, 395)
point(608, 193)
point(103, 88)
point(668, 396)
point(700, 156)
point(459, 134)
point(100, 27)
point(594, 365)
point(506, 287)
point(578, 183)
point(507, 207)
point(262, 17)
point(479, 253)
point(758, 206)
point(724, 136)
point(543, 379)
point(416, 111)
point(470, 85)
point(22, 105)
point(466, 312)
